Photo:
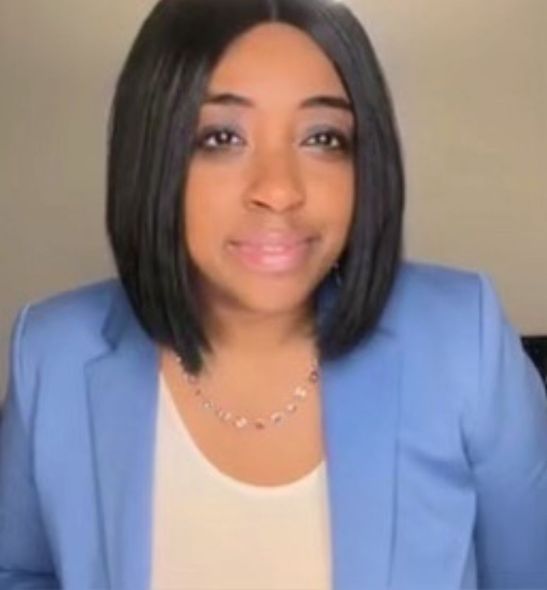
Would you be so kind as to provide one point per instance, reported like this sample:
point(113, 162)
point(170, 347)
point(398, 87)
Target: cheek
point(199, 214)
point(210, 208)
point(213, 188)
point(334, 197)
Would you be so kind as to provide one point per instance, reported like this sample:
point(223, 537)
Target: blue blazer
point(435, 432)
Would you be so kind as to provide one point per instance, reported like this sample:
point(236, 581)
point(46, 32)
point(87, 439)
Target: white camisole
point(214, 532)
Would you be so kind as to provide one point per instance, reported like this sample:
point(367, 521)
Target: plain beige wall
point(470, 85)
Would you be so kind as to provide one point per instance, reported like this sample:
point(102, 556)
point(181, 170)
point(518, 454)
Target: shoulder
point(69, 320)
point(83, 300)
point(444, 313)
point(434, 295)
point(420, 283)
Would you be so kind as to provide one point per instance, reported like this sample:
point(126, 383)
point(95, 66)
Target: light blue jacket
point(435, 434)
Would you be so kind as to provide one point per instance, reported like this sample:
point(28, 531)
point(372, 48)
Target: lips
point(272, 252)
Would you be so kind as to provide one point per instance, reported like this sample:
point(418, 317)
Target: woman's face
point(270, 189)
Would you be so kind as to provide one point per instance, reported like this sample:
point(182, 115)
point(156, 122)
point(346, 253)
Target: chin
point(279, 299)
point(267, 296)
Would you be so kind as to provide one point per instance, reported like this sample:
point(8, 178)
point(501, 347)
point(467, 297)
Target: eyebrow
point(229, 99)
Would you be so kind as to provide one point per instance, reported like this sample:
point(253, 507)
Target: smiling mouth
point(273, 256)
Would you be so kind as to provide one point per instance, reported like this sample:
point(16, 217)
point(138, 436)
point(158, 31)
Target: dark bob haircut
point(151, 139)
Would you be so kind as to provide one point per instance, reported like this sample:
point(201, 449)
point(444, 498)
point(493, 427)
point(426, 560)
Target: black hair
point(151, 136)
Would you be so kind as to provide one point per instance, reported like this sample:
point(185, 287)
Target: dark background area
point(536, 347)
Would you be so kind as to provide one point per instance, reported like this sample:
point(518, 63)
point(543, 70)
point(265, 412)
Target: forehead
point(275, 61)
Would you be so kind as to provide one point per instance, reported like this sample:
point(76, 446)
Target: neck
point(265, 353)
point(259, 335)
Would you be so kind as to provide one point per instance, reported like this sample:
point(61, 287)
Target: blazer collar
point(122, 386)
point(360, 404)
point(359, 412)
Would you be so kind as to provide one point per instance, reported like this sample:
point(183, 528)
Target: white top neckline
point(303, 483)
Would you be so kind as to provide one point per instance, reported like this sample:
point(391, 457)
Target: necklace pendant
point(241, 422)
point(291, 408)
point(277, 417)
point(260, 424)
point(300, 393)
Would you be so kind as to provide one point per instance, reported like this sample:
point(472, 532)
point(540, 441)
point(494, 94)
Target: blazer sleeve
point(25, 559)
point(505, 429)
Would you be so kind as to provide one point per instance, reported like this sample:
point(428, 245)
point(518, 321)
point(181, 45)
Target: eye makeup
point(213, 138)
point(342, 140)
point(216, 137)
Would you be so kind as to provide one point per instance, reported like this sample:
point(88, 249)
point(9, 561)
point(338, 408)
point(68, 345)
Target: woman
point(268, 397)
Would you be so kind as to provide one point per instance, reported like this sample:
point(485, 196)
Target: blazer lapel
point(360, 413)
point(122, 393)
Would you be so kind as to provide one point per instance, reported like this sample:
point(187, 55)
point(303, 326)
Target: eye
point(330, 139)
point(217, 138)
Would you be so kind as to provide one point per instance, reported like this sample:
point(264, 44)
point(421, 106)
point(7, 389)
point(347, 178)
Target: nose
point(276, 183)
